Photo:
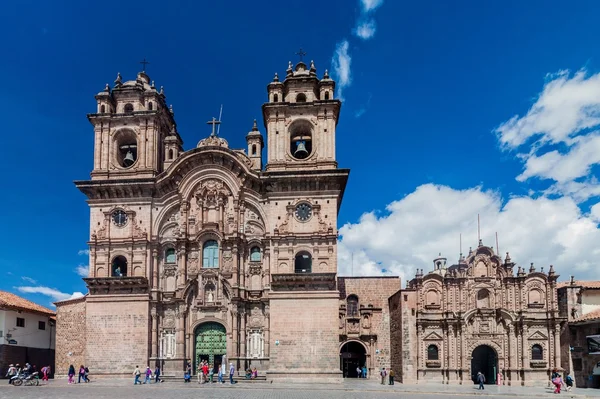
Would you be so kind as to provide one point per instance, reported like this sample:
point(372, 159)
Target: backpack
point(569, 379)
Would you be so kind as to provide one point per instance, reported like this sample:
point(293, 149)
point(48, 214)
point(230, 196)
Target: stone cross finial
point(301, 54)
point(144, 63)
point(214, 122)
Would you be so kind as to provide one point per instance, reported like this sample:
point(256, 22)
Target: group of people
point(558, 381)
point(251, 374)
point(83, 374)
point(148, 376)
point(384, 373)
point(15, 370)
point(361, 372)
point(206, 373)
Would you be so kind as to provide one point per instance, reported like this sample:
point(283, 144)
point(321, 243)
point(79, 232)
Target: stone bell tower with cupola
point(131, 124)
point(301, 117)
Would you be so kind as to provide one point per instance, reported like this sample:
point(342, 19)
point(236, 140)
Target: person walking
point(480, 380)
point(137, 374)
point(569, 382)
point(391, 376)
point(148, 375)
point(86, 374)
point(364, 371)
point(220, 374)
point(12, 371)
point(157, 374)
point(81, 374)
point(383, 374)
point(558, 383)
point(71, 374)
point(231, 371)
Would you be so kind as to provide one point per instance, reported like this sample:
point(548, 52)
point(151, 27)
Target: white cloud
point(53, 293)
point(85, 252)
point(413, 230)
point(341, 62)
point(83, 270)
point(28, 279)
point(370, 5)
point(559, 137)
point(365, 29)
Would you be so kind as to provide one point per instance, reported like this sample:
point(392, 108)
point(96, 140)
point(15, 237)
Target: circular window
point(303, 211)
point(119, 218)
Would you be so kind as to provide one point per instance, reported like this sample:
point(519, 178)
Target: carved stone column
point(419, 337)
point(234, 332)
point(221, 208)
point(524, 346)
point(181, 263)
point(236, 266)
point(154, 269)
point(511, 346)
point(92, 262)
point(200, 221)
point(243, 335)
point(267, 331)
point(154, 316)
point(179, 332)
point(266, 269)
point(557, 345)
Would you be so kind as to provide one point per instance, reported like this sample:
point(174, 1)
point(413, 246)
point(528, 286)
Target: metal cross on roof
point(301, 54)
point(214, 122)
point(144, 63)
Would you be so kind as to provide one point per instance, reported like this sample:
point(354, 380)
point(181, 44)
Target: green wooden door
point(211, 341)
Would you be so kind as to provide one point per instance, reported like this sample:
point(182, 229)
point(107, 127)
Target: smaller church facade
point(479, 315)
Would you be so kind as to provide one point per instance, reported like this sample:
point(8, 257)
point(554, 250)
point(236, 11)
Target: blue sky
point(429, 91)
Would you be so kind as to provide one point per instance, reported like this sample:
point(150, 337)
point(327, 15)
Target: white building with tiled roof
point(27, 332)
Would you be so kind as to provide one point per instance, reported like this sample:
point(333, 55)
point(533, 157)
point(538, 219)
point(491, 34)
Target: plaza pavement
point(349, 389)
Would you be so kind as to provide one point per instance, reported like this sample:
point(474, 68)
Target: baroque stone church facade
point(208, 254)
point(479, 315)
point(217, 254)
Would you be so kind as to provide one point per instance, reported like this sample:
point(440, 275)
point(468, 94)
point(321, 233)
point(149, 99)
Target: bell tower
point(131, 124)
point(301, 116)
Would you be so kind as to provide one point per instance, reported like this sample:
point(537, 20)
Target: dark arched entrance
point(484, 360)
point(210, 344)
point(352, 356)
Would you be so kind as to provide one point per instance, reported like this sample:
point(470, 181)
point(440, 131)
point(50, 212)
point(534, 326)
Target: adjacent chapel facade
point(480, 315)
point(212, 253)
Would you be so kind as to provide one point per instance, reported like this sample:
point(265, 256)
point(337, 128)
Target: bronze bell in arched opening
point(301, 151)
point(129, 159)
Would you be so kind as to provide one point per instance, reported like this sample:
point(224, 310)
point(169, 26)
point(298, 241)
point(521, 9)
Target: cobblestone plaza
point(349, 389)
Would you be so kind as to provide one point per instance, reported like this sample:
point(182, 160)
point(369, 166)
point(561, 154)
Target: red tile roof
point(580, 283)
point(11, 301)
point(591, 316)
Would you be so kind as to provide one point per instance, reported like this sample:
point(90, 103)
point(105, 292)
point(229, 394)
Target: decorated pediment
point(433, 336)
point(537, 336)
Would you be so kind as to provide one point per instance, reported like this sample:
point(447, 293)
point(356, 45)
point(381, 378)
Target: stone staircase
point(237, 379)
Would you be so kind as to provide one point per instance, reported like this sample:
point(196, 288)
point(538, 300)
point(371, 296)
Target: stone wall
point(304, 336)
point(580, 364)
point(70, 334)
point(117, 333)
point(373, 292)
point(403, 327)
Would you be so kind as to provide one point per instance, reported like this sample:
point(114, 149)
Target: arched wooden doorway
point(352, 356)
point(485, 360)
point(210, 344)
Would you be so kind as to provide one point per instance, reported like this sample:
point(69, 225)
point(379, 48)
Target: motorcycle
point(28, 380)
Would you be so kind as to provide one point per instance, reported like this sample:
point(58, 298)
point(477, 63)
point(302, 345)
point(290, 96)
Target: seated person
point(254, 373)
point(248, 374)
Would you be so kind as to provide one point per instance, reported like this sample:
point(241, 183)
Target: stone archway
point(353, 355)
point(485, 360)
point(210, 344)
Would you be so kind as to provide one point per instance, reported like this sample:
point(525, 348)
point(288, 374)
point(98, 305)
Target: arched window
point(535, 297)
point(210, 254)
point(119, 267)
point(253, 149)
point(150, 106)
point(537, 352)
point(432, 298)
point(170, 256)
point(171, 153)
point(432, 352)
point(483, 298)
point(255, 254)
point(128, 108)
point(209, 293)
point(303, 262)
point(326, 95)
point(102, 109)
point(275, 98)
point(352, 306)
point(301, 98)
